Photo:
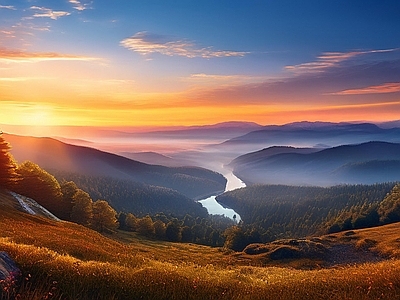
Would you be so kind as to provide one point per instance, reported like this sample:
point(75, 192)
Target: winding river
point(215, 208)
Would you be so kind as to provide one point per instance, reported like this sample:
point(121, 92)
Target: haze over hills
point(51, 154)
point(310, 134)
point(87, 134)
point(223, 130)
point(364, 163)
point(150, 157)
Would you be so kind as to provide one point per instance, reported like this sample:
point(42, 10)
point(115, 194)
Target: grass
point(61, 260)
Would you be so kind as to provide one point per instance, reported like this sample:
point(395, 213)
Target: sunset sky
point(186, 62)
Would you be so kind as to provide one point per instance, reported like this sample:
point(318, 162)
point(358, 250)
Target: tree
point(104, 216)
point(145, 226)
point(131, 222)
point(186, 234)
point(8, 174)
point(235, 238)
point(68, 190)
point(159, 229)
point(173, 231)
point(121, 221)
point(82, 211)
point(41, 186)
point(389, 208)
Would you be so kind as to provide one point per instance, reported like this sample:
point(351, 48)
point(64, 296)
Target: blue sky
point(263, 61)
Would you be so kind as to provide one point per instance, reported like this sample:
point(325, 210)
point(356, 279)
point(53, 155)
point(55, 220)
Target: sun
point(35, 115)
point(39, 118)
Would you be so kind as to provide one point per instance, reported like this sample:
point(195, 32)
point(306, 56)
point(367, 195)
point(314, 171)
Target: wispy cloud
point(330, 59)
point(43, 12)
point(8, 33)
point(146, 43)
point(78, 5)
point(7, 7)
point(18, 56)
point(203, 79)
point(14, 79)
point(377, 73)
point(376, 89)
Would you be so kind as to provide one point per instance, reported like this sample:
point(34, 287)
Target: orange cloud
point(376, 89)
point(18, 56)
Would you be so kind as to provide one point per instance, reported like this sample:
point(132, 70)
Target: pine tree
point(8, 166)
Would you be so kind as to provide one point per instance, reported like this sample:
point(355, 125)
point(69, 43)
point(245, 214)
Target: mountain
point(389, 124)
point(309, 134)
point(53, 155)
point(150, 157)
point(364, 163)
point(254, 157)
point(222, 131)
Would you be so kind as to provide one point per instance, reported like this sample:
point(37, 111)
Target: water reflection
point(215, 208)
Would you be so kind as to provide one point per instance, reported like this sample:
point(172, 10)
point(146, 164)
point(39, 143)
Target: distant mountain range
point(224, 130)
point(51, 154)
point(313, 134)
point(364, 163)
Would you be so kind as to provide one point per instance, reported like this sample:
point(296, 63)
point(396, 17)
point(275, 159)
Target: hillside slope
point(51, 155)
point(68, 261)
point(366, 163)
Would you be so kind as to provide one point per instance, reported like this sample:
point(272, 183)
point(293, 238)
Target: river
point(214, 208)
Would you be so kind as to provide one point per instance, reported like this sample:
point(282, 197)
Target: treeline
point(72, 203)
point(206, 231)
point(65, 200)
point(368, 215)
point(135, 197)
point(270, 212)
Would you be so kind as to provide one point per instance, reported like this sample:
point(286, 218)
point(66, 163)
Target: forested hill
point(135, 197)
point(295, 211)
point(365, 163)
point(51, 154)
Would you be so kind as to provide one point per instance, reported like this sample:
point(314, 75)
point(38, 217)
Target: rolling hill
point(62, 260)
point(150, 157)
point(53, 155)
point(365, 163)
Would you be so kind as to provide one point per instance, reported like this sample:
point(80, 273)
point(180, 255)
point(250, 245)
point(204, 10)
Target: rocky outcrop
point(31, 207)
point(289, 249)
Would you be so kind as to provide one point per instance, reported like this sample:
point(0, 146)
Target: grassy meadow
point(62, 260)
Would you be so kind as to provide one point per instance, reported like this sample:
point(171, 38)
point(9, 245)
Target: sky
point(186, 62)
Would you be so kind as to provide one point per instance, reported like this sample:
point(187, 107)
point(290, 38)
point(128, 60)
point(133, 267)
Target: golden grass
point(61, 260)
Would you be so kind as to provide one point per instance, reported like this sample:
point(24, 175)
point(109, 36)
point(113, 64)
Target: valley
point(299, 219)
point(199, 150)
point(69, 261)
